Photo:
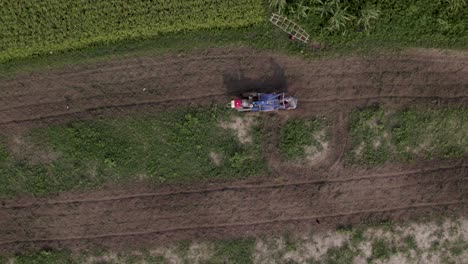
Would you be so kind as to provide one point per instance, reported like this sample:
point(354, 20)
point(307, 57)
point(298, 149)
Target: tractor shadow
point(274, 80)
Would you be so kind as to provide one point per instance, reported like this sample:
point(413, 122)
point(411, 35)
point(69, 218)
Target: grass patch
point(458, 247)
point(156, 260)
point(410, 242)
point(368, 132)
point(3, 153)
point(431, 133)
point(65, 257)
point(169, 147)
point(340, 255)
point(238, 251)
point(290, 242)
point(45, 257)
point(380, 249)
point(412, 134)
point(183, 248)
point(357, 237)
point(299, 134)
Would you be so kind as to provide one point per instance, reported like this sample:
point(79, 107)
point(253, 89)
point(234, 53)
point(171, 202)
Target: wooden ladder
point(289, 27)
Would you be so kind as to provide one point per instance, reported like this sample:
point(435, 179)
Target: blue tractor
point(264, 102)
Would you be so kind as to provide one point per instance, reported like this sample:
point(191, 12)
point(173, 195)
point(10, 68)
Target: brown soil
point(140, 216)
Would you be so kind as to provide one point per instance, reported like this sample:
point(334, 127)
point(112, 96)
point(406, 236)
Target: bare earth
point(139, 216)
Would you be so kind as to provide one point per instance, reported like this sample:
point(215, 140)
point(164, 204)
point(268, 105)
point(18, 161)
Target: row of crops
point(36, 27)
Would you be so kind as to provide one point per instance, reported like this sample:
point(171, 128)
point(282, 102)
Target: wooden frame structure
point(289, 27)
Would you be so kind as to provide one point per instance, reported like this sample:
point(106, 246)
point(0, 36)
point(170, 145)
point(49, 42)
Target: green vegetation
point(3, 153)
point(342, 27)
point(237, 251)
point(367, 132)
point(290, 242)
point(156, 260)
point(300, 138)
point(357, 237)
point(457, 248)
point(417, 133)
point(380, 249)
point(347, 22)
point(410, 242)
point(170, 147)
point(32, 27)
point(341, 255)
point(44, 257)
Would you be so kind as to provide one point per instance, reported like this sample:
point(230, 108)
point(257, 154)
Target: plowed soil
point(293, 198)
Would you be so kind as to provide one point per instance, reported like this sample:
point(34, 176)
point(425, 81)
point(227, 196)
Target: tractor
point(263, 102)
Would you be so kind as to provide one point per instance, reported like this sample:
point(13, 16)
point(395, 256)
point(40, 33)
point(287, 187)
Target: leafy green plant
point(456, 5)
point(339, 20)
point(380, 249)
point(366, 17)
point(277, 5)
point(237, 251)
point(357, 237)
point(299, 10)
point(297, 134)
point(324, 9)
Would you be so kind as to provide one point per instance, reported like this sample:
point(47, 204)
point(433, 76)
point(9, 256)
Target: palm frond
point(279, 5)
point(367, 15)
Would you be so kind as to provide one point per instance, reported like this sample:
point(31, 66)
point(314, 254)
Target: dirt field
point(292, 198)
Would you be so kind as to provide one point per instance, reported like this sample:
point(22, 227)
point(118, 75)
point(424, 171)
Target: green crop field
point(40, 34)
point(412, 134)
point(37, 27)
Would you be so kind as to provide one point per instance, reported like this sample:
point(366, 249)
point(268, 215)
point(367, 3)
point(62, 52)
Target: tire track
point(212, 97)
point(113, 217)
point(91, 109)
point(419, 76)
point(383, 97)
point(107, 96)
point(240, 224)
point(243, 187)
